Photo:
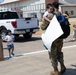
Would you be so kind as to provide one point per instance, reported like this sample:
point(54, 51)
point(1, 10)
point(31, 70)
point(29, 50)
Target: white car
point(25, 26)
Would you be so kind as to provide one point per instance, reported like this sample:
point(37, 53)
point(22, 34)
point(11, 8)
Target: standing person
point(56, 54)
point(10, 44)
point(74, 32)
point(66, 15)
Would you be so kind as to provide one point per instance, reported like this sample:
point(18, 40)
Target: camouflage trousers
point(56, 54)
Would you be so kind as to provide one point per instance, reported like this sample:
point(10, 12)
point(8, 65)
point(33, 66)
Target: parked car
point(25, 26)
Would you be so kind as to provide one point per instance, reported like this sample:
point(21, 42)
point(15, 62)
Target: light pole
point(1, 49)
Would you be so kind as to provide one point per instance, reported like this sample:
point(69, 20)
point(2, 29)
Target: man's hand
point(47, 19)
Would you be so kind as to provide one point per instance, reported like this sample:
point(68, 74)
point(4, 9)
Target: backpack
point(65, 25)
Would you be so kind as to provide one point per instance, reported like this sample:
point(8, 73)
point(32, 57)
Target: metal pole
point(1, 49)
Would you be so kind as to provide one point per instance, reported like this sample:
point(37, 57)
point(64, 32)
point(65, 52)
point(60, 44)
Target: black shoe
point(13, 54)
point(63, 70)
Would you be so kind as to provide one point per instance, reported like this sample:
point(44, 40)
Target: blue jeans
point(9, 47)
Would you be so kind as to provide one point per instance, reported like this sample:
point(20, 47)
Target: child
point(74, 32)
point(46, 19)
point(49, 9)
point(10, 44)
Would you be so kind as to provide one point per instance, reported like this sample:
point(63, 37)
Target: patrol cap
point(56, 4)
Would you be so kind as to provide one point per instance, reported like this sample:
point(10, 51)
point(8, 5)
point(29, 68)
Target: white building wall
point(33, 6)
point(27, 6)
point(23, 3)
point(38, 2)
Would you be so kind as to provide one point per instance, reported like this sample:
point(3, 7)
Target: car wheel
point(3, 34)
point(16, 35)
point(27, 36)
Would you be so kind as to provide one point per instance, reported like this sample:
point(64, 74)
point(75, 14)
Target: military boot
point(60, 59)
point(54, 73)
point(63, 68)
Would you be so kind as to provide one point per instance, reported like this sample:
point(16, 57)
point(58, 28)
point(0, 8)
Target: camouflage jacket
point(45, 23)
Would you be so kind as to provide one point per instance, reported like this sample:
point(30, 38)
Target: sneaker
point(10, 57)
point(13, 54)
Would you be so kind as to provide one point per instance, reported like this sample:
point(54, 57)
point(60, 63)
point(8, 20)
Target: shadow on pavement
point(16, 55)
point(72, 41)
point(70, 71)
point(69, 41)
point(22, 39)
point(74, 66)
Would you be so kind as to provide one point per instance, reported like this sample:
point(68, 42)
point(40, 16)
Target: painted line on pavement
point(69, 46)
point(46, 50)
point(36, 52)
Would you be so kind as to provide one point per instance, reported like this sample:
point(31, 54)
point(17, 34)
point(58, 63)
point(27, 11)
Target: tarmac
point(32, 59)
point(38, 62)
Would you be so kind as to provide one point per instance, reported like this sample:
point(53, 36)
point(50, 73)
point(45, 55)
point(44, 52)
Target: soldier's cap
point(56, 4)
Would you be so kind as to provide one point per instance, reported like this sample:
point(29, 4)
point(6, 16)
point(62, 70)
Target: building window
point(66, 11)
point(72, 12)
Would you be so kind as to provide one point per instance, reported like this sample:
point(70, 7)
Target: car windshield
point(8, 15)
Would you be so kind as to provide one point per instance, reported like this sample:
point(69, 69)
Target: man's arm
point(46, 19)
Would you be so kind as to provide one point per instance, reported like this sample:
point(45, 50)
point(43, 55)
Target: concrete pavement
point(37, 64)
point(35, 60)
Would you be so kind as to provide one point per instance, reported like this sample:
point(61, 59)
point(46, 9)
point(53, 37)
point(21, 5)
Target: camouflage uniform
point(45, 23)
point(56, 54)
